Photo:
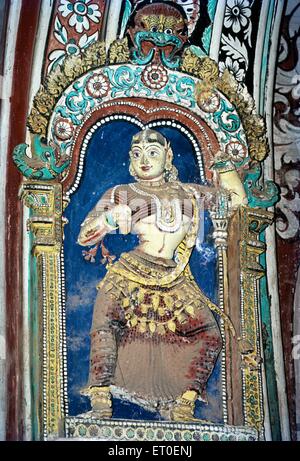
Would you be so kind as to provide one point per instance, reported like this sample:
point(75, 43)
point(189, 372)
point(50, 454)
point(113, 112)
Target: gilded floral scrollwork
point(204, 68)
point(119, 51)
point(44, 101)
point(253, 123)
point(36, 122)
point(58, 80)
point(95, 55)
point(207, 70)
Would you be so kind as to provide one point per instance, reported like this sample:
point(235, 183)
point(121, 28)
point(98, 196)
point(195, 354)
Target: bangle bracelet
point(222, 167)
point(109, 221)
point(226, 169)
point(223, 163)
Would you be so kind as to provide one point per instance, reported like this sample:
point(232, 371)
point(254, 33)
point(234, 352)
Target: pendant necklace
point(168, 213)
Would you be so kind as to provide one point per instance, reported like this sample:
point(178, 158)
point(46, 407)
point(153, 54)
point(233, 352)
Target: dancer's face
point(148, 159)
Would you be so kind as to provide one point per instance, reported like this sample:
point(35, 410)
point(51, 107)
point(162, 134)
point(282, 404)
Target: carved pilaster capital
point(220, 233)
point(45, 202)
point(253, 222)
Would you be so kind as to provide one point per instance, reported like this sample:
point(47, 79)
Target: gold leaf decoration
point(169, 302)
point(255, 125)
point(178, 303)
point(190, 310)
point(160, 329)
point(142, 327)
point(190, 62)
point(228, 85)
point(131, 287)
point(152, 327)
point(204, 68)
point(155, 301)
point(144, 308)
point(44, 101)
point(202, 88)
point(209, 70)
point(56, 82)
point(134, 321)
point(161, 311)
point(74, 67)
point(141, 295)
point(37, 123)
point(95, 55)
point(259, 150)
point(126, 303)
point(171, 325)
point(181, 318)
point(119, 51)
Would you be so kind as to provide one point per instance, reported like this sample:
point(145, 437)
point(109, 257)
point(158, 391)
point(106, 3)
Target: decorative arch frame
point(125, 88)
point(211, 123)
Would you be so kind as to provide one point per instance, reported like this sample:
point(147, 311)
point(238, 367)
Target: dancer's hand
point(121, 215)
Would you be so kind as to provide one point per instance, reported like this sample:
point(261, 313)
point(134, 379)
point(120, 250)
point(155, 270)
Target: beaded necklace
point(168, 213)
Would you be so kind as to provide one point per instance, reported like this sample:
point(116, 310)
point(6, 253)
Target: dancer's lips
point(146, 168)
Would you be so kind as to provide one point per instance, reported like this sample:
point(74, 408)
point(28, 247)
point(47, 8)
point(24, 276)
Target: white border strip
point(259, 50)
point(270, 233)
point(36, 73)
point(11, 37)
point(216, 35)
point(112, 24)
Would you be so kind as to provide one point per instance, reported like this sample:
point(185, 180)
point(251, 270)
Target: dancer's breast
point(158, 242)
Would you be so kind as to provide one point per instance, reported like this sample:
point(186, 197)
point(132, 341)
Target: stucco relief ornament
point(43, 164)
point(63, 129)
point(81, 13)
point(158, 34)
point(204, 68)
point(119, 51)
point(150, 292)
point(236, 151)
point(155, 76)
point(97, 86)
point(208, 100)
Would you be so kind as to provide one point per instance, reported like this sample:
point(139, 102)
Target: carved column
point(220, 219)
point(253, 222)
point(46, 204)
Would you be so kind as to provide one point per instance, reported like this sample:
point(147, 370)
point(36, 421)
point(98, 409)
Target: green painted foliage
point(211, 8)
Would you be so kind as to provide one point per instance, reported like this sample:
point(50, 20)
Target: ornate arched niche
point(187, 99)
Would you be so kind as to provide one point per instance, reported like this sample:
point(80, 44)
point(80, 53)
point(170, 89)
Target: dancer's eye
point(153, 153)
point(136, 154)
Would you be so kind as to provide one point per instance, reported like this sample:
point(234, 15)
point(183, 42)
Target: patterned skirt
point(152, 341)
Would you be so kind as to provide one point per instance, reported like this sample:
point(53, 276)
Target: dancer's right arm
point(105, 217)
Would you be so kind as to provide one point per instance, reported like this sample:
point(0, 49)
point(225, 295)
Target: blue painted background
point(106, 165)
